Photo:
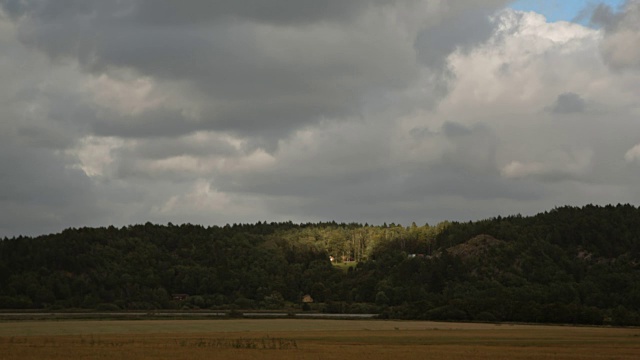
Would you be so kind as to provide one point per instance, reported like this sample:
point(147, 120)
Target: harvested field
point(309, 339)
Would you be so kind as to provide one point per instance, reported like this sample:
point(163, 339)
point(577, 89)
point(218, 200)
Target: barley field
point(309, 339)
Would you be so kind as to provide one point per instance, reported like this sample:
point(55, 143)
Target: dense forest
point(567, 265)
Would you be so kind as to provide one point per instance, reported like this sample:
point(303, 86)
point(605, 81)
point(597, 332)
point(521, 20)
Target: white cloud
point(95, 154)
point(557, 167)
point(516, 169)
point(200, 197)
point(633, 154)
point(128, 96)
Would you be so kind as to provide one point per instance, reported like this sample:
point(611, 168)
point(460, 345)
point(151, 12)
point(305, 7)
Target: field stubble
point(309, 339)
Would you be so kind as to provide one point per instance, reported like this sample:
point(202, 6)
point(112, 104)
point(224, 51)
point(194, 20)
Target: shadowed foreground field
point(309, 339)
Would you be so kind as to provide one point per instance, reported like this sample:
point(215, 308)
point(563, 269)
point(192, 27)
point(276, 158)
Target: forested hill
point(568, 265)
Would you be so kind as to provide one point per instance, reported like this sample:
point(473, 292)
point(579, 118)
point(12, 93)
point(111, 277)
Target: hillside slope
point(568, 265)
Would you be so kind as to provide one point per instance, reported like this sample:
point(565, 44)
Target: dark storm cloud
point(463, 31)
point(469, 147)
point(603, 15)
point(392, 195)
point(259, 86)
point(255, 84)
point(183, 146)
point(152, 123)
point(274, 11)
point(466, 170)
point(621, 44)
point(568, 103)
point(41, 192)
point(468, 183)
point(169, 12)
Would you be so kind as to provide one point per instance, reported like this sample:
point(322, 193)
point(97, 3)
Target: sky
point(216, 112)
point(564, 10)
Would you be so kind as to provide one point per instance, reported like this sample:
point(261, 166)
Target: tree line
point(567, 265)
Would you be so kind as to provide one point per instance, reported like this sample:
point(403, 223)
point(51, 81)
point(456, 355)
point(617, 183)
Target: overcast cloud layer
point(214, 112)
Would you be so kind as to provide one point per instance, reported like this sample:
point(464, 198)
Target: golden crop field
point(309, 339)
